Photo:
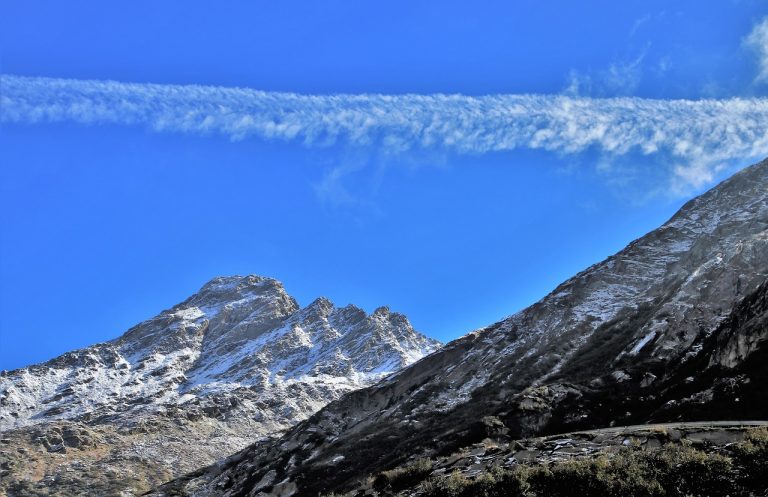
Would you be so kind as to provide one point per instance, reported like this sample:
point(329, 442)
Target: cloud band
point(697, 133)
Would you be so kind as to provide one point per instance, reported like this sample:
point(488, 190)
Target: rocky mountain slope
point(701, 388)
point(672, 320)
point(237, 361)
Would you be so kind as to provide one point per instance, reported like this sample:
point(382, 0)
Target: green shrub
point(455, 485)
point(495, 483)
point(398, 479)
point(751, 456)
point(622, 474)
point(684, 471)
point(575, 477)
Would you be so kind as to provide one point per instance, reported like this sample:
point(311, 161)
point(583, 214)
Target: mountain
point(235, 362)
point(671, 327)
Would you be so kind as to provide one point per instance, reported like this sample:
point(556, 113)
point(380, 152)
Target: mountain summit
point(235, 362)
point(673, 327)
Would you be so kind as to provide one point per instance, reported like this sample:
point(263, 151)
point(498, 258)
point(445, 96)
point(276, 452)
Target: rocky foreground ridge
point(672, 327)
point(234, 363)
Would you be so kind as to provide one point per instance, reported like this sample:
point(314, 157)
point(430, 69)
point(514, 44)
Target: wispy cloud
point(620, 78)
point(639, 22)
point(694, 137)
point(758, 41)
point(623, 77)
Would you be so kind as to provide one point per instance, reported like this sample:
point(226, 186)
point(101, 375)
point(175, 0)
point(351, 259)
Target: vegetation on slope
point(674, 470)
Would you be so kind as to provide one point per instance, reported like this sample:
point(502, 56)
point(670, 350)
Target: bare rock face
point(743, 334)
point(234, 363)
point(659, 331)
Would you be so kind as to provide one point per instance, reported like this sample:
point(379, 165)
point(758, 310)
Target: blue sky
point(454, 162)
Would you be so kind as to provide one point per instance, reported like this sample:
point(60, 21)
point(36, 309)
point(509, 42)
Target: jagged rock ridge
point(235, 362)
point(631, 323)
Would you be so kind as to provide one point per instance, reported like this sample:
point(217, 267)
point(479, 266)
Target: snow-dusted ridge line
point(241, 337)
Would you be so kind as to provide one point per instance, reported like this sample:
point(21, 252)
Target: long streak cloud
point(695, 134)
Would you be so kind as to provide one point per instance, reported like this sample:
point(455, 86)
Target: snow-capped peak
point(239, 336)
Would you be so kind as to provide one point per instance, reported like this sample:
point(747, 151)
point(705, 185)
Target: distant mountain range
point(673, 327)
point(232, 364)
